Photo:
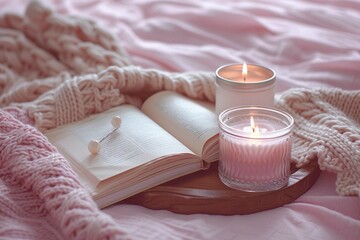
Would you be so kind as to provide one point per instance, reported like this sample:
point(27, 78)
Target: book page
point(190, 121)
point(138, 141)
point(113, 193)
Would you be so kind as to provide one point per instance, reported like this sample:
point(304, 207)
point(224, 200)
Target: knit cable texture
point(43, 191)
point(56, 70)
point(327, 129)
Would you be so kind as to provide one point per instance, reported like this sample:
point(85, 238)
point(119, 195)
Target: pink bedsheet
point(309, 44)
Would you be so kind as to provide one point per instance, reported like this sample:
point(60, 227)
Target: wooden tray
point(203, 192)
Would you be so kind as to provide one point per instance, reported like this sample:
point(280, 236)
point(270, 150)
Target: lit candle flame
point(252, 124)
point(244, 72)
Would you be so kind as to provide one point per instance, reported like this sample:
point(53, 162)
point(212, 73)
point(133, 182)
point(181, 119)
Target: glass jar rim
point(281, 115)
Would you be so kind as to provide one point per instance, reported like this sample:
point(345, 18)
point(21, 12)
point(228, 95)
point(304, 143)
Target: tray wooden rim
point(227, 201)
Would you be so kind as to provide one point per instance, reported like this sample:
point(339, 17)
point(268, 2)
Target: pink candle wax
point(255, 154)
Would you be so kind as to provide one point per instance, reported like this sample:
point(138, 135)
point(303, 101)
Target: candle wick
point(253, 129)
point(244, 78)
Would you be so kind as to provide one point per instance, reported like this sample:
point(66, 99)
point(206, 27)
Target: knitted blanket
point(56, 70)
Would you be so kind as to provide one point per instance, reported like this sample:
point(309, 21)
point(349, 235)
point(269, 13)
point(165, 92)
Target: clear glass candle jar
point(255, 148)
point(233, 89)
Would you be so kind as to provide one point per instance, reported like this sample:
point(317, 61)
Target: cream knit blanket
point(56, 70)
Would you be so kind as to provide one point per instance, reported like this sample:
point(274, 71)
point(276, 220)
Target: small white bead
point(94, 146)
point(116, 121)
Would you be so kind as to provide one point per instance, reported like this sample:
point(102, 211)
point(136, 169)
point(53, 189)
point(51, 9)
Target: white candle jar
point(255, 159)
point(232, 89)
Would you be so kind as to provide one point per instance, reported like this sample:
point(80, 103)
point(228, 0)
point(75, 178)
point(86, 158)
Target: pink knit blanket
point(56, 70)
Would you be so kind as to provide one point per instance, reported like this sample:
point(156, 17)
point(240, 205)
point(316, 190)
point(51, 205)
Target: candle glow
point(254, 128)
point(244, 72)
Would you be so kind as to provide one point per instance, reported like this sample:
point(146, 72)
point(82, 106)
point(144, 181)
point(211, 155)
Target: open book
point(170, 136)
